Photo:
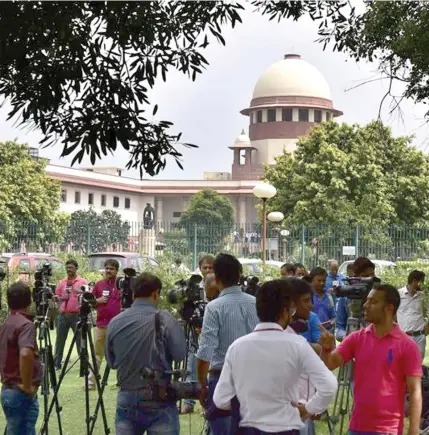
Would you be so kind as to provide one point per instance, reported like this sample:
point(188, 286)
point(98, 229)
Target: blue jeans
point(65, 322)
point(191, 368)
point(218, 425)
point(134, 416)
point(21, 412)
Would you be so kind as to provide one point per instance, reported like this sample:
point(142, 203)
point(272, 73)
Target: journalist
point(132, 345)
point(362, 268)
point(67, 293)
point(230, 316)
point(386, 363)
point(205, 268)
point(20, 367)
point(263, 368)
point(108, 303)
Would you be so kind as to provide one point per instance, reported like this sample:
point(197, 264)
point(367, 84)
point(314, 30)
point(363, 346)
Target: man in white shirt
point(263, 368)
point(411, 311)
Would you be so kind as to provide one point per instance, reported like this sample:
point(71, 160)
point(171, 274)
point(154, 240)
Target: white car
point(379, 266)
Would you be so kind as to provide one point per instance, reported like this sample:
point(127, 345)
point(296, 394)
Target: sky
point(207, 111)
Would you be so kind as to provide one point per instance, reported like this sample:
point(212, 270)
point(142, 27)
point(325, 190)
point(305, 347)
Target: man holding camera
point(67, 293)
point(386, 364)
point(230, 316)
point(108, 303)
point(20, 366)
point(140, 338)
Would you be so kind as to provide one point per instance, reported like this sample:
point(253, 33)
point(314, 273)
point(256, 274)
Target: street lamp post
point(284, 233)
point(264, 191)
point(275, 217)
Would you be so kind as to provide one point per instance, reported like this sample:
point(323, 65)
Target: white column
point(159, 210)
point(242, 210)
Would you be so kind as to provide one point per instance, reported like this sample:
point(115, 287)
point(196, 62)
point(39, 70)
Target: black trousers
point(254, 431)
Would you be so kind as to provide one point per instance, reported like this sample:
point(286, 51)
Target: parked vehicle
point(380, 265)
point(125, 259)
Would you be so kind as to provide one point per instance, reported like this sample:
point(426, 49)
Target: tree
point(82, 71)
point(29, 199)
point(92, 232)
point(387, 33)
point(347, 174)
point(208, 219)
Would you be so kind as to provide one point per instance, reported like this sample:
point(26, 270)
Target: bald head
point(211, 288)
point(333, 267)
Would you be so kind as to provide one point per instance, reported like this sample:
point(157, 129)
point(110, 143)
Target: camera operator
point(230, 316)
point(108, 303)
point(21, 369)
point(131, 346)
point(386, 362)
point(263, 369)
point(67, 294)
point(362, 268)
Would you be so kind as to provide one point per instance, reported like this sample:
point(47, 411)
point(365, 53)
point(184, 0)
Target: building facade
point(288, 99)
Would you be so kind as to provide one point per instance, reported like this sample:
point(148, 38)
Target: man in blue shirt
point(230, 316)
point(334, 278)
point(323, 302)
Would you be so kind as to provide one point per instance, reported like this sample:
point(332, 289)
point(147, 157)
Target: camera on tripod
point(43, 292)
point(249, 284)
point(166, 387)
point(356, 288)
point(190, 293)
point(125, 285)
point(86, 299)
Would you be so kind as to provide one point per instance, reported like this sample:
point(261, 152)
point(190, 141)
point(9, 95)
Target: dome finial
point(292, 56)
point(242, 131)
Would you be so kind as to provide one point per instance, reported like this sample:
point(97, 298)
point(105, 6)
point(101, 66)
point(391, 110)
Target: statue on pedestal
point(148, 217)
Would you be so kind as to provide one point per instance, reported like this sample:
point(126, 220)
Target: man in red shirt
point(386, 363)
point(20, 367)
point(108, 303)
point(67, 293)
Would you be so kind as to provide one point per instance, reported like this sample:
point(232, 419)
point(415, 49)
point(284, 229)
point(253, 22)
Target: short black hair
point(19, 296)
point(227, 269)
point(272, 298)
point(112, 262)
point(301, 287)
point(290, 268)
point(316, 271)
point(207, 258)
point(391, 295)
point(72, 263)
point(299, 266)
point(145, 284)
point(416, 275)
point(361, 264)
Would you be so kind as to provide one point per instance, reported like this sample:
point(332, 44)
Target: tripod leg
point(97, 407)
point(56, 390)
point(100, 401)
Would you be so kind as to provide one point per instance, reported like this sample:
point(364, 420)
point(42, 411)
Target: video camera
point(86, 299)
point(125, 285)
point(191, 294)
point(249, 284)
point(166, 387)
point(356, 288)
point(43, 292)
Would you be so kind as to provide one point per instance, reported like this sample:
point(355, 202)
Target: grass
point(72, 400)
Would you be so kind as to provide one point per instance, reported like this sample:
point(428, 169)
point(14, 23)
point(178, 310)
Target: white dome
point(292, 76)
point(243, 138)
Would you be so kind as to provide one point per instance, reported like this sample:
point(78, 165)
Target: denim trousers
point(134, 416)
point(191, 368)
point(219, 425)
point(66, 321)
point(21, 412)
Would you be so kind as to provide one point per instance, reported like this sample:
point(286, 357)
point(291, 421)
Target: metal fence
point(311, 245)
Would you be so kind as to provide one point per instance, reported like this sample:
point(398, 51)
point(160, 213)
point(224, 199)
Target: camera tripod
point(343, 400)
point(49, 375)
point(85, 367)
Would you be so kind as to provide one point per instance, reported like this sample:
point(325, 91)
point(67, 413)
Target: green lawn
point(72, 399)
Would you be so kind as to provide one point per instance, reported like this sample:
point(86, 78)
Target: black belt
point(415, 333)
point(14, 387)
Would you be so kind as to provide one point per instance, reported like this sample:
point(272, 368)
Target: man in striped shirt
point(232, 315)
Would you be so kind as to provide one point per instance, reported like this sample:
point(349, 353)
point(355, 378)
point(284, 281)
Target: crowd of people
point(264, 363)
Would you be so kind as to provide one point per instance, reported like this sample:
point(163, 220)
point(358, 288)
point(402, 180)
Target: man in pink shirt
point(108, 303)
point(386, 363)
point(67, 293)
